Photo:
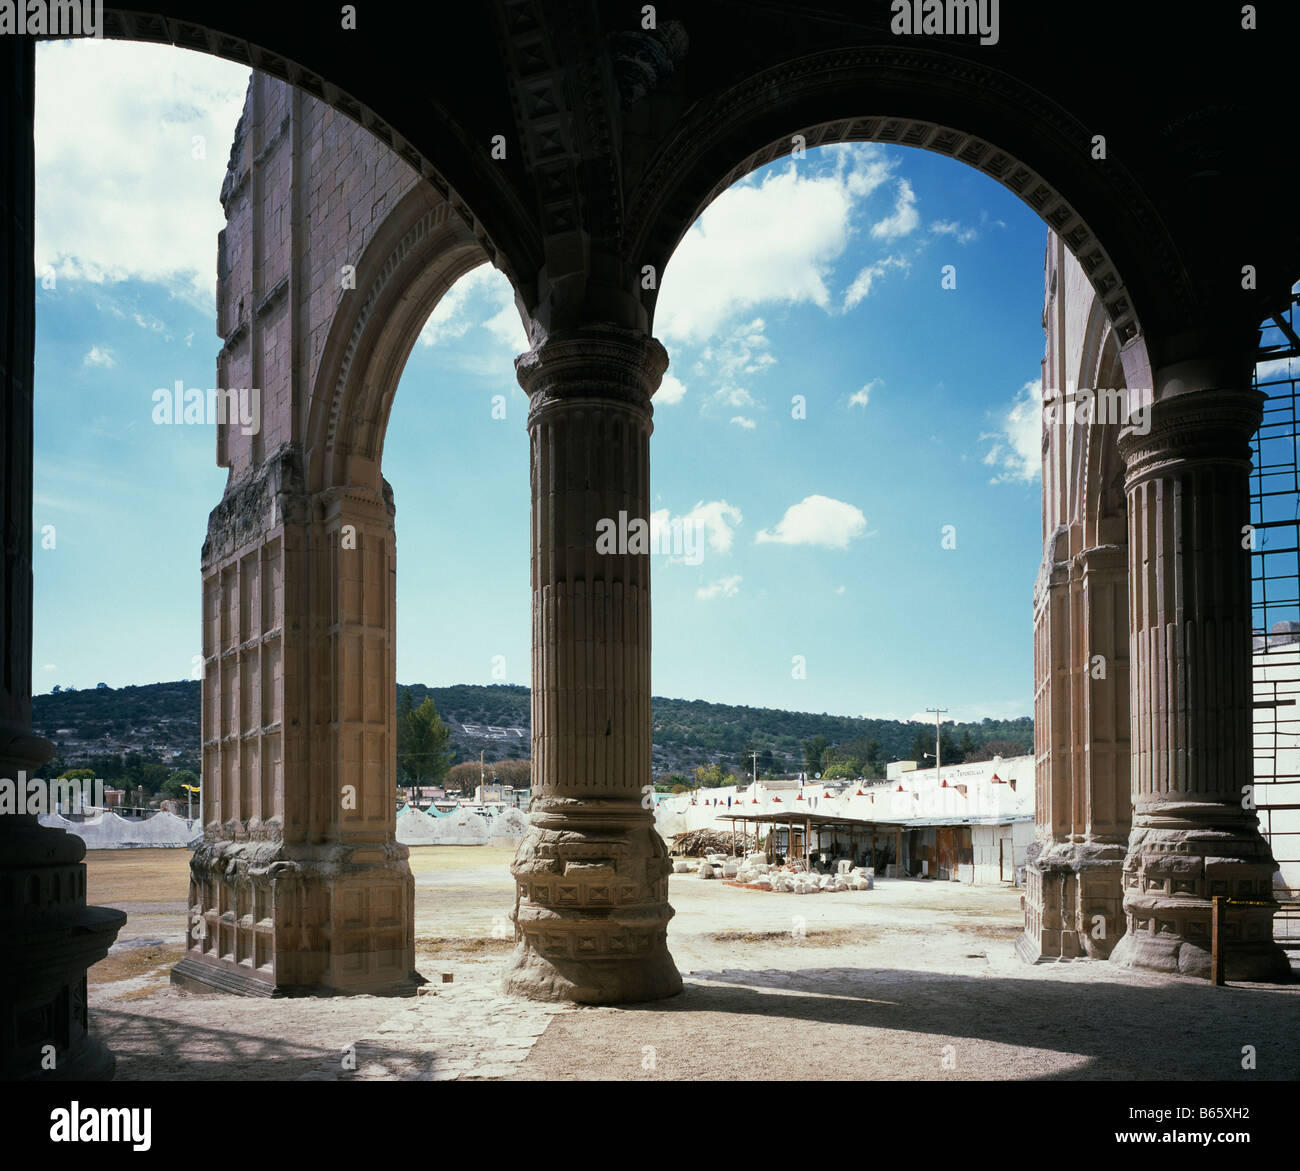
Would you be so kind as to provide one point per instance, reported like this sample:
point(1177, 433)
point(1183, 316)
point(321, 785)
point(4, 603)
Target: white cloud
point(745, 350)
point(954, 229)
point(817, 520)
point(481, 299)
point(928, 718)
point(860, 289)
point(860, 398)
point(840, 589)
point(1275, 368)
point(97, 356)
point(119, 195)
point(742, 421)
point(773, 241)
point(1017, 444)
point(670, 390)
point(724, 587)
point(905, 218)
point(715, 517)
point(734, 396)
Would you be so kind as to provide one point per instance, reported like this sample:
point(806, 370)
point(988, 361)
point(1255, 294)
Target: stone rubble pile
point(794, 877)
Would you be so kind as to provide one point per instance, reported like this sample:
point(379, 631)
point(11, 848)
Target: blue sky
point(818, 277)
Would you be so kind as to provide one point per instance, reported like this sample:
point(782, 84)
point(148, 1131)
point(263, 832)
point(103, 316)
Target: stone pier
point(48, 936)
point(592, 872)
point(1194, 835)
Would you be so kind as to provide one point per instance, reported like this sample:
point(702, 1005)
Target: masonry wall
point(305, 191)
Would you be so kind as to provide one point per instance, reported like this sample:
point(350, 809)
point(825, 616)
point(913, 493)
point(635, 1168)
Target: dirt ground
point(914, 980)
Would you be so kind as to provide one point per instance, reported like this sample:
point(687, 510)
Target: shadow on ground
point(854, 1023)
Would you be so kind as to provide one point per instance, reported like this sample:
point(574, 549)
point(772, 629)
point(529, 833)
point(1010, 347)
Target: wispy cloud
point(724, 587)
point(905, 218)
point(1017, 443)
point(860, 398)
point(862, 284)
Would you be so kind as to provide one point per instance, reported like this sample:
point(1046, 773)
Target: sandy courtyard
point(912, 981)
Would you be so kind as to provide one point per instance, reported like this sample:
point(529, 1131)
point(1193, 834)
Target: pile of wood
point(698, 842)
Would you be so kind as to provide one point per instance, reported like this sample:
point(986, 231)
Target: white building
point(966, 822)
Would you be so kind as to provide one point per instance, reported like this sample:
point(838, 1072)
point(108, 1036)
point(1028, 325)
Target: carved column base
point(1073, 896)
point(267, 919)
point(48, 939)
point(591, 915)
point(1181, 854)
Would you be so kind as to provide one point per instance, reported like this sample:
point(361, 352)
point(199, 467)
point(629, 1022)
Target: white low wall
point(460, 827)
point(110, 832)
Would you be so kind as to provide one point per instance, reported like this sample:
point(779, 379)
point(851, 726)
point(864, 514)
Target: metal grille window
point(1275, 584)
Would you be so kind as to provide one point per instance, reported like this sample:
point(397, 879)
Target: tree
point(515, 773)
point(174, 785)
point(711, 776)
point(405, 709)
point(424, 757)
point(813, 750)
point(462, 777)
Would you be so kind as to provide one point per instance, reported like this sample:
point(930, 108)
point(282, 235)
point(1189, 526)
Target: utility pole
point(938, 765)
point(754, 755)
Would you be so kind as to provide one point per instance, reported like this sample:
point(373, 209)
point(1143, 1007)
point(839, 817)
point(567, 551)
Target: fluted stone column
point(1190, 630)
point(48, 936)
point(592, 873)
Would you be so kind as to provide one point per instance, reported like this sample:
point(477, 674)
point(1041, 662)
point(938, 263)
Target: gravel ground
point(912, 981)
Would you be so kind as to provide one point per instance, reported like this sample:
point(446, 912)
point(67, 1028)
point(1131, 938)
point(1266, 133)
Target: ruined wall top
point(305, 191)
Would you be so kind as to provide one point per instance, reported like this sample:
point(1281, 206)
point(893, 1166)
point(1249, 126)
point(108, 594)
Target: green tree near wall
point(423, 752)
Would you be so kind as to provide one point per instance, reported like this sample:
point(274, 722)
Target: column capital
point(1193, 427)
point(606, 364)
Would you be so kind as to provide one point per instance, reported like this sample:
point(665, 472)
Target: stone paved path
point(451, 1032)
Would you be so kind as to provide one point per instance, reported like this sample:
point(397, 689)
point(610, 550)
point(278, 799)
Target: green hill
point(160, 722)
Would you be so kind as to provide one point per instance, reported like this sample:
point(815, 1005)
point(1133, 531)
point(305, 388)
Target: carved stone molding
point(604, 364)
point(664, 204)
point(1196, 427)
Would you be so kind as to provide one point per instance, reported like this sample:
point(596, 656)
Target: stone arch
point(323, 287)
point(1104, 505)
point(911, 97)
point(418, 253)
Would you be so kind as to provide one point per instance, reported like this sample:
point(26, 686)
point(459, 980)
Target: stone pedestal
point(48, 938)
point(592, 873)
point(1192, 837)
